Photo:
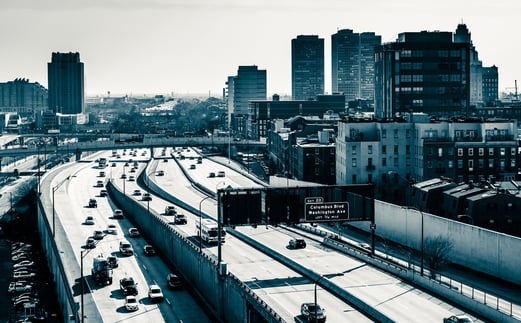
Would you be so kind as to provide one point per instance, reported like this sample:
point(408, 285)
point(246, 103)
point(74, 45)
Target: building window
point(396, 149)
point(502, 152)
point(481, 151)
point(353, 162)
point(384, 149)
point(502, 165)
point(395, 161)
point(491, 163)
point(384, 133)
point(512, 151)
point(491, 151)
point(460, 152)
point(353, 179)
point(450, 164)
point(369, 149)
point(395, 133)
point(353, 150)
point(384, 161)
point(512, 162)
point(481, 163)
point(471, 151)
point(408, 133)
point(408, 149)
point(471, 165)
point(460, 163)
point(369, 178)
point(429, 164)
point(440, 152)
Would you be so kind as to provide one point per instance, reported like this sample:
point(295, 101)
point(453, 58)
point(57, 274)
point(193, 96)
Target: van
point(125, 248)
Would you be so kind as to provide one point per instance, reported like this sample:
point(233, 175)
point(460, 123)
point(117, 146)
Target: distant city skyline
point(191, 46)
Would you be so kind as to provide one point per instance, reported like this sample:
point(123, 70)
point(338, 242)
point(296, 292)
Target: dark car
point(149, 250)
point(313, 312)
point(113, 261)
point(93, 203)
point(133, 232)
point(146, 197)
point(173, 281)
point(128, 286)
point(297, 244)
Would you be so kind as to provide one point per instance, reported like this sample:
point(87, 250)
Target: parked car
point(457, 319)
point(313, 312)
point(131, 303)
point(133, 233)
point(117, 214)
point(155, 294)
point(173, 281)
point(297, 243)
point(93, 203)
point(149, 250)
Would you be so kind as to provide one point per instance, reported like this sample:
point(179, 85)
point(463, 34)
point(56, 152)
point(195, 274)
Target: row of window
point(481, 164)
point(384, 150)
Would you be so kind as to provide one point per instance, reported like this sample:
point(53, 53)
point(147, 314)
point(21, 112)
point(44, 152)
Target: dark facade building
point(261, 112)
point(66, 84)
point(22, 96)
point(307, 67)
point(490, 86)
point(422, 72)
point(352, 62)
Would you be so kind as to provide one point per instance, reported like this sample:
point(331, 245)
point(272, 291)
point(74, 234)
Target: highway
point(284, 289)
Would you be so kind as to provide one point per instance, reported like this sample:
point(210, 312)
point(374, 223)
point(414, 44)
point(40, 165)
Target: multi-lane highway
point(281, 287)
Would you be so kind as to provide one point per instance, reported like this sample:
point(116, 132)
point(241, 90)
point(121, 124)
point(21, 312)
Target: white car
point(155, 294)
point(131, 303)
point(111, 229)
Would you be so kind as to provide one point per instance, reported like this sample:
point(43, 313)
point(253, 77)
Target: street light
point(316, 283)
point(54, 189)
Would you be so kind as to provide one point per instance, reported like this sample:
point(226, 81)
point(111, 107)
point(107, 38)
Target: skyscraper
point(66, 83)
point(307, 67)
point(352, 62)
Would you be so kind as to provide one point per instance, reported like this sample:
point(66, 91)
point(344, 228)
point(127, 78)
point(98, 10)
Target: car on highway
point(148, 250)
point(146, 197)
point(99, 184)
point(173, 281)
point(112, 229)
point(136, 192)
point(180, 218)
point(98, 234)
point(211, 175)
point(89, 220)
point(113, 261)
point(132, 170)
point(93, 203)
point(103, 193)
point(125, 248)
point(170, 210)
point(90, 243)
point(161, 172)
point(313, 312)
point(113, 165)
point(131, 178)
point(192, 166)
point(102, 174)
point(297, 243)
point(221, 174)
point(133, 233)
point(457, 319)
point(117, 214)
point(131, 303)
point(123, 176)
point(128, 286)
point(155, 294)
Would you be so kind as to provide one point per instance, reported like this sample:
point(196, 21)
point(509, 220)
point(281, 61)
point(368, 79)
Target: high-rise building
point(249, 84)
point(66, 83)
point(422, 72)
point(490, 85)
point(352, 62)
point(22, 96)
point(307, 67)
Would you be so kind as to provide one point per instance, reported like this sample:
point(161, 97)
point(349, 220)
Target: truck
point(208, 231)
point(101, 271)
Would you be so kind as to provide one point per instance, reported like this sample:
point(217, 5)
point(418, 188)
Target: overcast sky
point(191, 46)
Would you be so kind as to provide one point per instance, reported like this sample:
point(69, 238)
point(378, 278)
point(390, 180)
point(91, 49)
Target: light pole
point(316, 283)
point(54, 189)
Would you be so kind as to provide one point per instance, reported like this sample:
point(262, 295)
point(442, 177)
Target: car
point(313, 312)
point(297, 243)
point(117, 214)
point(173, 281)
point(180, 218)
point(125, 248)
point(19, 287)
point(131, 303)
point(89, 220)
point(164, 161)
point(211, 175)
point(221, 173)
point(155, 294)
point(93, 203)
point(149, 250)
point(102, 174)
point(132, 170)
point(99, 184)
point(136, 192)
point(113, 261)
point(126, 164)
point(103, 193)
point(112, 229)
point(146, 197)
point(90, 243)
point(131, 178)
point(24, 263)
point(133, 233)
point(128, 286)
point(161, 172)
point(457, 319)
point(192, 166)
point(135, 164)
point(113, 165)
point(98, 234)
point(123, 176)
point(170, 210)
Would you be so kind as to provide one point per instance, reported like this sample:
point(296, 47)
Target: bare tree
point(437, 250)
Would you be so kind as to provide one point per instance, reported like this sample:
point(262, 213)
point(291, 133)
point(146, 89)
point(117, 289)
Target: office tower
point(422, 72)
point(307, 67)
point(490, 79)
point(352, 62)
point(66, 83)
point(248, 84)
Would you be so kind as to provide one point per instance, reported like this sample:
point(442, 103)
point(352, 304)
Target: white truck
point(101, 271)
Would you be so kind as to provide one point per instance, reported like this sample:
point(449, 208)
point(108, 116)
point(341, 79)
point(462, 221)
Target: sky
point(185, 47)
